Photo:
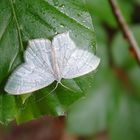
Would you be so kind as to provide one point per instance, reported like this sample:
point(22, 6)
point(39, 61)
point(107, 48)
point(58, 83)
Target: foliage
point(29, 19)
point(108, 101)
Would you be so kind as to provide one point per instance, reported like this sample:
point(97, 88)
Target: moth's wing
point(72, 61)
point(63, 46)
point(27, 79)
point(80, 63)
point(38, 53)
point(36, 72)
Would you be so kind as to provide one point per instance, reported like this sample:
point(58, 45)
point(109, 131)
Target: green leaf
point(109, 107)
point(125, 123)
point(90, 115)
point(7, 108)
point(29, 19)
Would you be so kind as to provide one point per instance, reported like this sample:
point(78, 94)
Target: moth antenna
point(43, 96)
point(49, 92)
point(66, 87)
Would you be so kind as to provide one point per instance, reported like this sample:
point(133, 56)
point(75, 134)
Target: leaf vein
point(17, 25)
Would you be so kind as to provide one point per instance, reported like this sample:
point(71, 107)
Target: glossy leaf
point(29, 19)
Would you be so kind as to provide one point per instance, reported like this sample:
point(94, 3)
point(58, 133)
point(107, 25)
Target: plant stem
point(125, 30)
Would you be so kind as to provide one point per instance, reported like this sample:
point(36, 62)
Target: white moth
point(47, 61)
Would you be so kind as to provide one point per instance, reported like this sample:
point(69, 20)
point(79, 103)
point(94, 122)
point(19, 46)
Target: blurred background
point(112, 110)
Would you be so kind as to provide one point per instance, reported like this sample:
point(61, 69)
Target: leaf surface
point(30, 19)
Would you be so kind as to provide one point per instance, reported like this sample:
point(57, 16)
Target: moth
point(48, 61)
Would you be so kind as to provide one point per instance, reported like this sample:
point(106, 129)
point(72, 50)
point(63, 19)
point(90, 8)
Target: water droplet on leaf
point(61, 25)
point(56, 33)
point(62, 6)
point(56, 3)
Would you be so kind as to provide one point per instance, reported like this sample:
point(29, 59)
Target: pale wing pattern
point(39, 54)
point(80, 63)
point(36, 72)
point(72, 61)
point(63, 47)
